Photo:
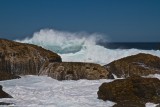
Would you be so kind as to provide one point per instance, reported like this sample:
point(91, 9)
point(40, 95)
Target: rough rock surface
point(140, 64)
point(8, 76)
point(4, 94)
point(134, 90)
point(20, 58)
point(74, 71)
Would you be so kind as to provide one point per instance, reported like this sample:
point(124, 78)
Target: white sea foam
point(80, 47)
point(61, 41)
point(42, 91)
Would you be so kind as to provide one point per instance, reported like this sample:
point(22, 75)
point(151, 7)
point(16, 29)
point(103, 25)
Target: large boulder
point(134, 90)
point(74, 71)
point(4, 94)
point(141, 64)
point(20, 58)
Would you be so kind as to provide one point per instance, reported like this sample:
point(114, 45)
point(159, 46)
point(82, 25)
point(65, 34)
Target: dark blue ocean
point(132, 45)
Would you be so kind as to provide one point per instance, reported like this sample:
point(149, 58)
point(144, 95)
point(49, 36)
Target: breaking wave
point(63, 42)
point(80, 47)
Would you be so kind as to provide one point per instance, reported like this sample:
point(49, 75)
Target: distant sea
point(132, 45)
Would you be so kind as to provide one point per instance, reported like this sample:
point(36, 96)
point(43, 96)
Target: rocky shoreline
point(17, 59)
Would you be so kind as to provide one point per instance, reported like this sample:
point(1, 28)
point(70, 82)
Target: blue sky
point(120, 20)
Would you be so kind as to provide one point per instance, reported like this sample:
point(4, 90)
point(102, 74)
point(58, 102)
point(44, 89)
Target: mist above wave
point(80, 47)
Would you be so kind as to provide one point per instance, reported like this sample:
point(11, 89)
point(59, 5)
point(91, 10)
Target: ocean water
point(43, 91)
point(83, 47)
point(132, 45)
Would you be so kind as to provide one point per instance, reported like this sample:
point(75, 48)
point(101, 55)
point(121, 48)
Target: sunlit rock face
point(134, 90)
point(141, 64)
point(21, 59)
point(74, 71)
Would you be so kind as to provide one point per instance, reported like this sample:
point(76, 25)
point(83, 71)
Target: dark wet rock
point(110, 76)
point(129, 104)
point(134, 89)
point(4, 103)
point(4, 94)
point(8, 76)
point(21, 59)
point(74, 71)
point(141, 64)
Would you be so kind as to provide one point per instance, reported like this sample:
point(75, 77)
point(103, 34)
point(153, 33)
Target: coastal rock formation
point(4, 94)
point(19, 58)
point(8, 76)
point(134, 90)
point(74, 71)
point(141, 64)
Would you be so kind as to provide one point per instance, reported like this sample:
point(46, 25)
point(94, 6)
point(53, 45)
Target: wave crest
point(62, 42)
point(80, 47)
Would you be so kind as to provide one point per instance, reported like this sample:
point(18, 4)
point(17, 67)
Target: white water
point(42, 91)
point(34, 91)
point(100, 55)
point(80, 47)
